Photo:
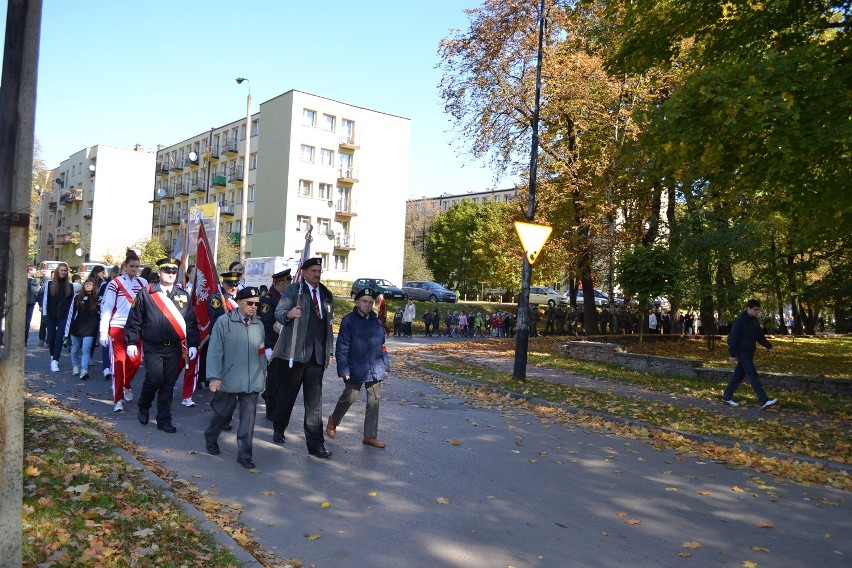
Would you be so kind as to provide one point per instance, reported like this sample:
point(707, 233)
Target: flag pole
point(306, 253)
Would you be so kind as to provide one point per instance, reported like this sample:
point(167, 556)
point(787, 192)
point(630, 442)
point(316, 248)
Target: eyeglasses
point(169, 270)
point(251, 303)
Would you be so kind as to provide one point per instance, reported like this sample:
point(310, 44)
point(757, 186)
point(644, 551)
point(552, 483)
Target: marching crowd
point(237, 341)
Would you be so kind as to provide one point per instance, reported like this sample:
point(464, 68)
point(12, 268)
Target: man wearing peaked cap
point(168, 263)
point(266, 313)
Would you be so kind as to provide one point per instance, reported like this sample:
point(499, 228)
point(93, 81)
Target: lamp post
point(244, 214)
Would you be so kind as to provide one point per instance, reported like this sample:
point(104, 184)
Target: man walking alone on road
point(742, 342)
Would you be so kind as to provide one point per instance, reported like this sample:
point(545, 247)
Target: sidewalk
point(790, 418)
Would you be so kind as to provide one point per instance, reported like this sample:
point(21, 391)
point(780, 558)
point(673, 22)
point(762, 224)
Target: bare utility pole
point(17, 124)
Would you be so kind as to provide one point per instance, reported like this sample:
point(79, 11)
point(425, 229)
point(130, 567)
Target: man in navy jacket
point(745, 334)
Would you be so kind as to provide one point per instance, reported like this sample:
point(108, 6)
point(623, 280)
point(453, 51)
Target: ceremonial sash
point(171, 312)
point(229, 304)
point(128, 296)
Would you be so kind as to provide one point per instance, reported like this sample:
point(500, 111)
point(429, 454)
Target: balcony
point(51, 240)
point(88, 213)
point(211, 153)
point(229, 146)
point(162, 169)
point(52, 206)
point(235, 175)
point(161, 221)
point(347, 175)
point(180, 188)
point(343, 208)
point(220, 180)
point(70, 196)
point(175, 164)
point(168, 192)
point(175, 217)
point(196, 184)
point(344, 241)
point(226, 208)
point(71, 237)
point(348, 142)
point(189, 163)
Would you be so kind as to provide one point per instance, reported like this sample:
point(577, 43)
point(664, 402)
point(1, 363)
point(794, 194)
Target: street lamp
point(244, 215)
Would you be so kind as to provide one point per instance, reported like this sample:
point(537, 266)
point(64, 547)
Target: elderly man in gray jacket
point(306, 307)
point(236, 369)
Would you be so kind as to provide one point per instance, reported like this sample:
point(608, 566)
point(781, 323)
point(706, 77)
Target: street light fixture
point(244, 215)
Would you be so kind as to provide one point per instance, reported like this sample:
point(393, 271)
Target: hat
point(364, 292)
point(168, 263)
point(281, 276)
point(249, 292)
point(230, 277)
point(316, 261)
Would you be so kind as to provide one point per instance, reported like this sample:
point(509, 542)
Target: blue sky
point(117, 72)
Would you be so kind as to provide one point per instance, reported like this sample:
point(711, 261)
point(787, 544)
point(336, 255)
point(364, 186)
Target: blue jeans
point(55, 337)
point(79, 359)
point(745, 368)
point(30, 308)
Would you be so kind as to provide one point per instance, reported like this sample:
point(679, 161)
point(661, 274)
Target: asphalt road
point(459, 486)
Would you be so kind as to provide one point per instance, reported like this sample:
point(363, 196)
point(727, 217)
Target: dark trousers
point(162, 367)
point(55, 337)
point(106, 353)
point(309, 376)
point(349, 395)
point(745, 368)
point(223, 405)
point(42, 328)
point(30, 308)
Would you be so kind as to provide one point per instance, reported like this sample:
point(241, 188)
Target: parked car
point(543, 295)
point(379, 286)
point(427, 291)
point(601, 299)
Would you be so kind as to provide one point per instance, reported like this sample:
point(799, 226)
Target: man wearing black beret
point(305, 312)
point(266, 313)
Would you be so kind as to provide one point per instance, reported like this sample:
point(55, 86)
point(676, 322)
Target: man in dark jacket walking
point(742, 342)
point(362, 359)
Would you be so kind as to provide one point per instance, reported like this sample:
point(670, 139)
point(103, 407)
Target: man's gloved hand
point(104, 340)
point(132, 351)
point(268, 354)
point(192, 352)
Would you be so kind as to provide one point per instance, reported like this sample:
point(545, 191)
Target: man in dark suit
point(305, 313)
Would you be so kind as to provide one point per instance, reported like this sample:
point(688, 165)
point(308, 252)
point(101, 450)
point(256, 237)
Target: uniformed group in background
point(262, 343)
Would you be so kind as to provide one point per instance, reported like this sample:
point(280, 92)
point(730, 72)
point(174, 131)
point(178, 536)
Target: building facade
point(97, 205)
point(312, 161)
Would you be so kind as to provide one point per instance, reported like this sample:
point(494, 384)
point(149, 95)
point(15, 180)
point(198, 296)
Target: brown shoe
point(330, 428)
point(373, 442)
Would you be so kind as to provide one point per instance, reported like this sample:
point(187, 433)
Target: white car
point(601, 299)
point(542, 295)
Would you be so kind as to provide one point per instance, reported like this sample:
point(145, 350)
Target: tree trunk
point(654, 217)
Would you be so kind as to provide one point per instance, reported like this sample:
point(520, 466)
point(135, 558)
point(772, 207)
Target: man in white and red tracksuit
point(115, 307)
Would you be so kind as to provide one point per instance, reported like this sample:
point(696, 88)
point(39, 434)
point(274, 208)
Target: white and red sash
point(229, 304)
point(127, 295)
point(170, 311)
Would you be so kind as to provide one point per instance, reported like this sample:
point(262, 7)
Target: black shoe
point(84, 377)
point(227, 427)
point(213, 448)
point(247, 463)
point(278, 438)
point(166, 427)
point(143, 417)
point(108, 377)
point(320, 452)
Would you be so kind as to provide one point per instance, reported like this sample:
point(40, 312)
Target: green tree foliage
point(150, 251)
point(414, 266)
point(471, 243)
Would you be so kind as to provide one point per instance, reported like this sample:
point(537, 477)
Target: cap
point(316, 261)
point(230, 277)
point(168, 263)
point(281, 276)
point(364, 292)
point(249, 292)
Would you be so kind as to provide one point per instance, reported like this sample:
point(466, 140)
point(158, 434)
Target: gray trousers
point(349, 395)
point(223, 405)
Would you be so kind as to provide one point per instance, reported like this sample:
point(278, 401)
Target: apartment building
point(312, 161)
point(98, 204)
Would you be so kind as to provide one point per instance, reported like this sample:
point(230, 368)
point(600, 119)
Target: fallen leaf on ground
point(691, 544)
point(325, 505)
point(442, 500)
point(764, 525)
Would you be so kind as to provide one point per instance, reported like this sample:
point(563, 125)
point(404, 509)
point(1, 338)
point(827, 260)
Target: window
point(253, 161)
point(255, 127)
point(323, 226)
point(309, 117)
point(252, 189)
point(249, 226)
point(306, 188)
point(328, 122)
point(302, 223)
point(327, 157)
point(324, 257)
point(307, 154)
point(324, 191)
point(348, 131)
point(242, 132)
point(340, 262)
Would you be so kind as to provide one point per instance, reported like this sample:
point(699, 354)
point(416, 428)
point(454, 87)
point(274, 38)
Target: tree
point(226, 251)
point(647, 272)
point(151, 250)
point(414, 265)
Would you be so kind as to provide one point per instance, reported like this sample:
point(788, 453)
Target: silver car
point(427, 291)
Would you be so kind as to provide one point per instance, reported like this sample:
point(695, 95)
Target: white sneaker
point(75, 370)
point(54, 365)
point(188, 402)
point(128, 395)
point(731, 402)
point(119, 406)
point(770, 402)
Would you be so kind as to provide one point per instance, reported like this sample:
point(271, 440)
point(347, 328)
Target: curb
point(222, 538)
point(641, 423)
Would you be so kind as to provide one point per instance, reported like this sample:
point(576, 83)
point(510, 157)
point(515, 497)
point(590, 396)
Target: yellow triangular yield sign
point(533, 238)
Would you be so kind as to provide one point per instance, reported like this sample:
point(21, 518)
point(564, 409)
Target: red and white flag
point(206, 282)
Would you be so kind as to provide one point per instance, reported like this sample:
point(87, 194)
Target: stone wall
point(612, 353)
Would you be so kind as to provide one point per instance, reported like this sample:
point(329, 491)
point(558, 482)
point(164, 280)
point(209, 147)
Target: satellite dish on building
point(79, 251)
point(193, 156)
